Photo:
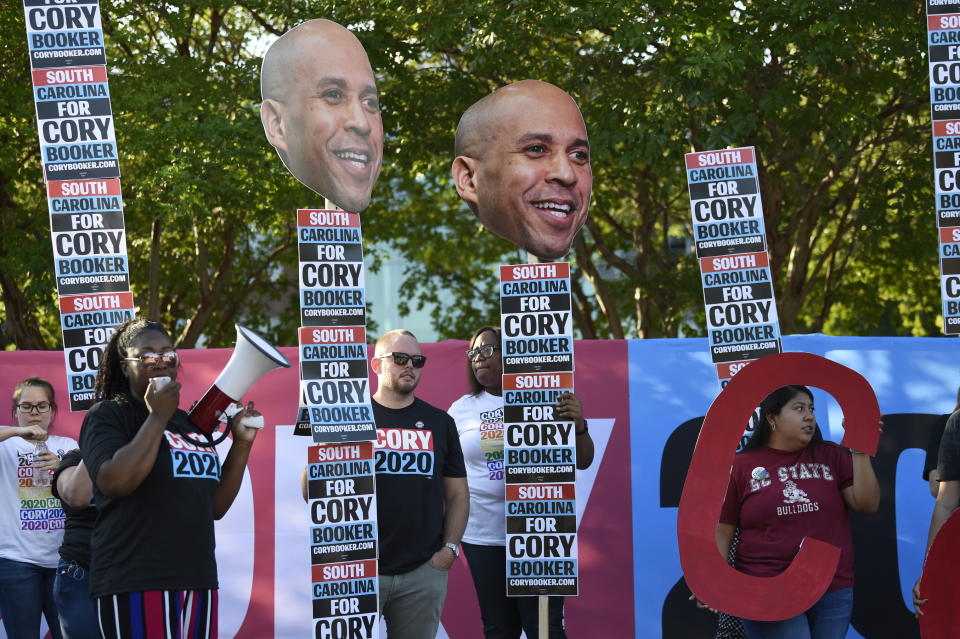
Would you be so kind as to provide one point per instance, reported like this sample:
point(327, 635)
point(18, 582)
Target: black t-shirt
point(79, 522)
point(949, 457)
point(416, 448)
point(160, 536)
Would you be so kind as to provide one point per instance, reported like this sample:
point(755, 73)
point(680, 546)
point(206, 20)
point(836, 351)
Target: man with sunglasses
point(422, 497)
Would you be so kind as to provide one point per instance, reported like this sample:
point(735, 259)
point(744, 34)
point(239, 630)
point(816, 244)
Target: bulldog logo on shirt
point(793, 495)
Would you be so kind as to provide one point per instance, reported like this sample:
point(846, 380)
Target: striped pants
point(159, 614)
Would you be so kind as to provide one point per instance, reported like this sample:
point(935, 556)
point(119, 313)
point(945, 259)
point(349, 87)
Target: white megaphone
point(252, 358)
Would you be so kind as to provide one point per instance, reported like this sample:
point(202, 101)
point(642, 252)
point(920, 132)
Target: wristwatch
point(453, 548)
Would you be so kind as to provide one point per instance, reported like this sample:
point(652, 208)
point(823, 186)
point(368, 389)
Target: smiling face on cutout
point(523, 166)
point(321, 112)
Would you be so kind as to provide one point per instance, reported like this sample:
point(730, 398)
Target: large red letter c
point(807, 577)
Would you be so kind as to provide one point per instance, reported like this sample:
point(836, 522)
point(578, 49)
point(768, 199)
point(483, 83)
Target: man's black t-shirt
point(160, 536)
point(79, 522)
point(416, 448)
point(949, 457)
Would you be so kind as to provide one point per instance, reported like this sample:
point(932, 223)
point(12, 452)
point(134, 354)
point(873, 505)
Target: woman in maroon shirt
point(787, 484)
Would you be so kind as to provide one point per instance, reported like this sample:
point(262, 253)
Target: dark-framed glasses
point(41, 407)
point(401, 359)
point(483, 352)
point(151, 361)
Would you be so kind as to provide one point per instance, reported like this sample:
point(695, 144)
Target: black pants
point(504, 617)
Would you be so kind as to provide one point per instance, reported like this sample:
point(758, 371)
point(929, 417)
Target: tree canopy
point(833, 95)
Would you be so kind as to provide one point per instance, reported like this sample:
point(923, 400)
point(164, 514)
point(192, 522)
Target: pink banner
point(257, 597)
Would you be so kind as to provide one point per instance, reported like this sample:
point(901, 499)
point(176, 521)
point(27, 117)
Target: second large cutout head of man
point(523, 166)
point(322, 113)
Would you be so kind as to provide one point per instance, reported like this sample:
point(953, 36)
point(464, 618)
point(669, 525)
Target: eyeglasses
point(484, 351)
point(41, 407)
point(153, 361)
point(401, 359)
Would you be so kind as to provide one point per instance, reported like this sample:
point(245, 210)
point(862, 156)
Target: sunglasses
point(401, 359)
point(153, 361)
point(483, 352)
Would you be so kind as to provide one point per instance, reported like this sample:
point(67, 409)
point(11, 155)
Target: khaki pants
point(411, 603)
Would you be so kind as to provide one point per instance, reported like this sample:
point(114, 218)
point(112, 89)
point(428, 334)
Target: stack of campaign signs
point(943, 42)
point(336, 411)
point(539, 448)
point(731, 245)
point(78, 149)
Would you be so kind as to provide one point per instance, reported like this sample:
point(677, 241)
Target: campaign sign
point(335, 397)
point(533, 394)
point(343, 537)
point(75, 122)
point(943, 37)
point(331, 268)
point(539, 452)
point(541, 540)
point(725, 202)
point(742, 322)
point(950, 278)
point(536, 318)
point(78, 148)
point(345, 600)
point(85, 205)
point(943, 41)
point(64, 34)
point(87, 322)
point(81, 275)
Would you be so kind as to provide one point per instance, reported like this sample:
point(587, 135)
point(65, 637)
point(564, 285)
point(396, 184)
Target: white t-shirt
point(480, 425)
point(31, 518)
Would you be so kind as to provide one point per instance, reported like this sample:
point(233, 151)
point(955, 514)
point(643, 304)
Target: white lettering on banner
point(731, 262)
point(332, 335)
point(540, 492)
point(534, 271)
point(329, 218)
point(719, 157)
point(538, 381)
point(336, 453)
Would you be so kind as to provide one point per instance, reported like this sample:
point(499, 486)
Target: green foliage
point(832, 93)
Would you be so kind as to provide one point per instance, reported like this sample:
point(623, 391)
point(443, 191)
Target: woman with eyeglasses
point(479, 418)
point(153, 572)
point(31, 519)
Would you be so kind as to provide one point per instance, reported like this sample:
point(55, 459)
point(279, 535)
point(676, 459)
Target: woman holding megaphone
point(153, 568)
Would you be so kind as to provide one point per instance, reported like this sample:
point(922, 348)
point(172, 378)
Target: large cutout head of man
point(321, 112)
point(523, 166)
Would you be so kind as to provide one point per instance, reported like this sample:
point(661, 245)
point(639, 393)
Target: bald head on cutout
point(523, 166)
point(321, 111)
